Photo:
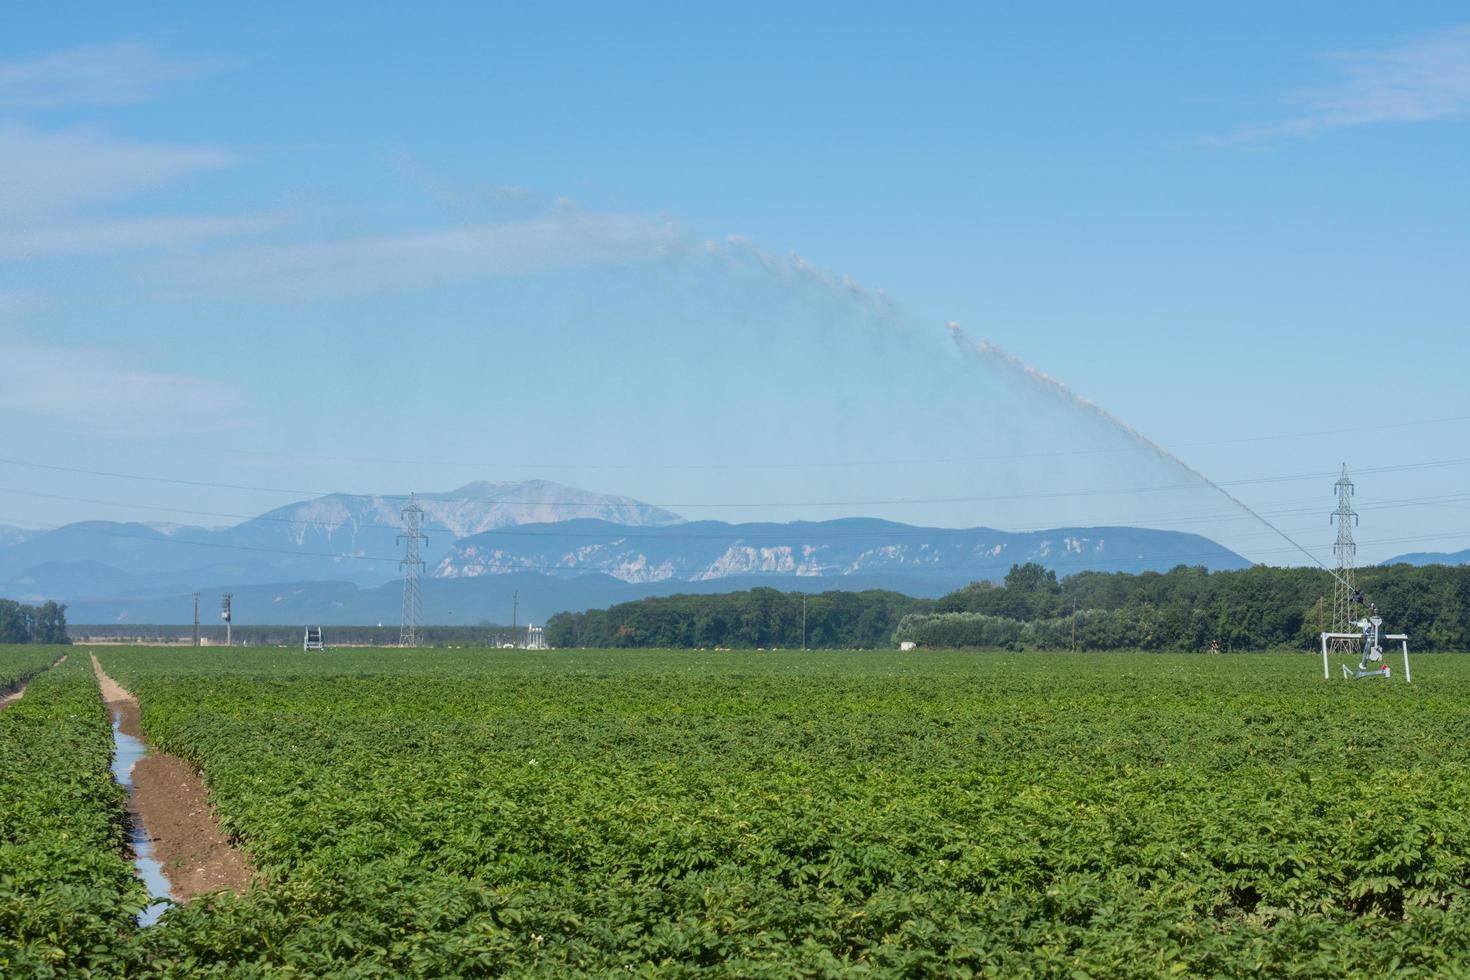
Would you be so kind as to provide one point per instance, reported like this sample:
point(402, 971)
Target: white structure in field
point(313, 639)
point(1371, 665)
point(535, 638)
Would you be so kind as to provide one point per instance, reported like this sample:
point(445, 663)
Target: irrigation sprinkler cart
point(1372, 645)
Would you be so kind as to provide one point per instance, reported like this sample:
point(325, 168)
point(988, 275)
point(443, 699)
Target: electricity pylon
point(1345, 550)
point(408, 634)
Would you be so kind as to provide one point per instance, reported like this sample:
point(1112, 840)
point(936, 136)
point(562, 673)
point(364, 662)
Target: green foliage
point(19, 664)
point(484, 813)
point(20, 623)
point(757, 618)
point(1185, 609)
point(67, 896)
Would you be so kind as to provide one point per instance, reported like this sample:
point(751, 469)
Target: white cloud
point(53, 238)
point(47, 172)
point(94, 389)
point(51, 179)
point(1416, 81)
point(53, 182)
point(119, 73)
point(370, 265)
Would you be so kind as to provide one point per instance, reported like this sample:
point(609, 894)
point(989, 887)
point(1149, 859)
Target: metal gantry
point(412, 565)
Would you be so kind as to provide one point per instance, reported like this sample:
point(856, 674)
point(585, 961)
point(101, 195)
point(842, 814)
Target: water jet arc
point(984, 350)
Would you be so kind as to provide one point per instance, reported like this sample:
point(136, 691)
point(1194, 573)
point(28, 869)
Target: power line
point(1251, 481)
point(1145, 521)
point(816, 464)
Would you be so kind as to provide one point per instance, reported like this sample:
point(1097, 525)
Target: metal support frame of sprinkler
point(1371, 638)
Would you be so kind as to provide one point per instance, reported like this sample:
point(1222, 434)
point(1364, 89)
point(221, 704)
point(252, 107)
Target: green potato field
point(478, 812)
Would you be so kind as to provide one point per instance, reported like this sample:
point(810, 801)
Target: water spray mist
point(984, 350)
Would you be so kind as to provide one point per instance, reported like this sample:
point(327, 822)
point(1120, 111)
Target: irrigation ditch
point(177, 847)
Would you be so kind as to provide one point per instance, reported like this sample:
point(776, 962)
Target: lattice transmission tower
point(1345, 550)
point(412, 565)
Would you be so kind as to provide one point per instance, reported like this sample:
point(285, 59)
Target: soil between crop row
point(171, 804)
point(11, 697)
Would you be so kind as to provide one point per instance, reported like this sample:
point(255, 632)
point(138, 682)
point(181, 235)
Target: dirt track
point(173, 805)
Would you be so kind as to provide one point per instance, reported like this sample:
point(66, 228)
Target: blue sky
point(330, 247)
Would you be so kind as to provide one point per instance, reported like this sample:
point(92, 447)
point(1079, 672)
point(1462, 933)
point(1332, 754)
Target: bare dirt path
point(172, 804)
point(20, 692)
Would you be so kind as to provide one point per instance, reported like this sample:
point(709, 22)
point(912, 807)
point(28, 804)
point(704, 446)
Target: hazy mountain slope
point(79, 578)
point(336, 537)
point(715, 557)
point(338, 550)
point(1431, 558)
point(366, 528)
point(706, 550)
point(10, 535)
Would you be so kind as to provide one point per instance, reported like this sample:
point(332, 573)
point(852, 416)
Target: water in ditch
point(127, 750)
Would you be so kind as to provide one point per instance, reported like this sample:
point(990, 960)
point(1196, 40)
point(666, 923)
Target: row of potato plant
point(465, 812)
point(68, 897)
point(19, 664)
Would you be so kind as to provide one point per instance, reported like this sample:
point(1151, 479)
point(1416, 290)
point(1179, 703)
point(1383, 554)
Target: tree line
point(756, 618)
point(20, 623)
point(1186, 608)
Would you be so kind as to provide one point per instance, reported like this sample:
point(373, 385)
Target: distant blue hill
point(697, 551)
point(588, 565)
point(335, 559)
point(1431, 558)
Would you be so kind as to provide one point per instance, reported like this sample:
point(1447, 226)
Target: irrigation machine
point(1371, 638)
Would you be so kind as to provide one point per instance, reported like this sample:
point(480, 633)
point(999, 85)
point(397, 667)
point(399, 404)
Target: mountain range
point(335, 558)
point(341, 537)
point(1431, 558)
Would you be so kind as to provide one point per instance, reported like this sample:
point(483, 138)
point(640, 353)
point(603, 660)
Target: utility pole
point(515, 608)
point(196, 619)
point(225, 615)
point(1074, 624)
point(408, 633)
point(803, 623)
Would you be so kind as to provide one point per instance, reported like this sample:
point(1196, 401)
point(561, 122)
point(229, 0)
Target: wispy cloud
point(119, 73)
point(46, 172)
point(1422, 79)
point(55, 182)
point(96, 390)
point(370, 265)
point(49, 239)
